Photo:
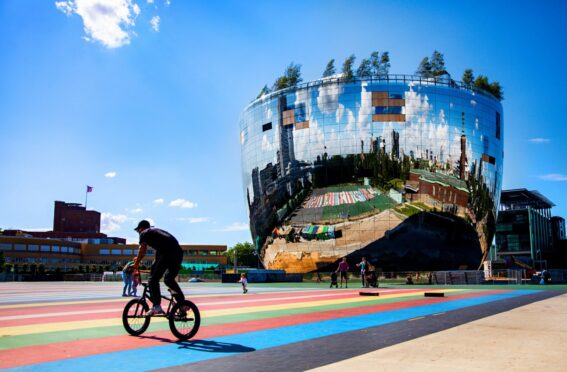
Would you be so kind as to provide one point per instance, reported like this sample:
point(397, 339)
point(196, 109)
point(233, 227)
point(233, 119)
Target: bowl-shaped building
point(404, 170)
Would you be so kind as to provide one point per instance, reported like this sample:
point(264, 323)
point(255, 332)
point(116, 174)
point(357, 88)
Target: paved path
point(73, 326)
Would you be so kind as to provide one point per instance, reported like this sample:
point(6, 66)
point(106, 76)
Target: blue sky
point(141, 99)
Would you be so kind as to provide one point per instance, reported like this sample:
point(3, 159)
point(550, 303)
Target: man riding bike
point(167, 261)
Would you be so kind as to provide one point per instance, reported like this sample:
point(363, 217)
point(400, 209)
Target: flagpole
point(86, 196)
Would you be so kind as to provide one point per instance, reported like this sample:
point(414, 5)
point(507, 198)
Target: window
point(300, 113)
point(388, 110)
point(64, 249)
point(45, 248)
point(5, 247)
point(127, 251)
point(104, 251)
point(117, 252)
point(33, 247)
point(19, 247)
point(266, 127)
point(497, 125)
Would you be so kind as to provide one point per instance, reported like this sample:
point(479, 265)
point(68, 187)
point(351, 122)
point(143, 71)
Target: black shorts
point(343, 274)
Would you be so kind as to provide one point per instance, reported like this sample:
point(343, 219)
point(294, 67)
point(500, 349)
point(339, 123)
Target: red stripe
point(74, 349)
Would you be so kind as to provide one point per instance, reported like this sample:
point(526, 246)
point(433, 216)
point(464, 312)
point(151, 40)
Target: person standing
point(244, 281)
point(127, 272)
point(343, 270)
point(167, 261)
point(363, 265)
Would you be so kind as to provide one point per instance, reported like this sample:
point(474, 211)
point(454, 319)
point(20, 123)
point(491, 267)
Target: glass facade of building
point(404, 170)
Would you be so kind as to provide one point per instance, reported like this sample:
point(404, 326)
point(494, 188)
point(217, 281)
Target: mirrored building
point(403, 170)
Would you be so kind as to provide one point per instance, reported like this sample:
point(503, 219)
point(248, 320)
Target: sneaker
point(156, 310)
point(124, 295)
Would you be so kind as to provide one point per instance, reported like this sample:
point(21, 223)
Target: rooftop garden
point(378, 66)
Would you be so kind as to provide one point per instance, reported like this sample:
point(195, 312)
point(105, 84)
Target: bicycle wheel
point(184, 320)
point(134, 317)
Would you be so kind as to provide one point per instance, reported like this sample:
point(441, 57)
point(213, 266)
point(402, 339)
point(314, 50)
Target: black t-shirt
point(160, 240)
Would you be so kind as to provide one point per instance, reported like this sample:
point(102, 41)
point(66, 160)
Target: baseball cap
point(142, 225)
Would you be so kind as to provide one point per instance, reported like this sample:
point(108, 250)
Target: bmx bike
point(183, 317)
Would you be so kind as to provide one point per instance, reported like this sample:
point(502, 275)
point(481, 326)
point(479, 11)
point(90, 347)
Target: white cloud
point(105, 21)
point(65, 7)
point(150, 1)
point(110, 174)
point(182, 203)
point(136, 210)
point(158, 201)
point(539, 140)
point(554, 177)
point(167, 2)
point(236, 226)
point(111, 222)
point(155, 23)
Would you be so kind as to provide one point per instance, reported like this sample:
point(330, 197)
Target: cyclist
point(167, 261)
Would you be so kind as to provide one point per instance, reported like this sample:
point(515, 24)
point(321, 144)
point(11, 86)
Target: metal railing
point(388, 79)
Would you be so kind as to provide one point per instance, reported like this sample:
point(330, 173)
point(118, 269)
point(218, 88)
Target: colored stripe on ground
point(97, 323)
point(174, 354)
point(73, 349)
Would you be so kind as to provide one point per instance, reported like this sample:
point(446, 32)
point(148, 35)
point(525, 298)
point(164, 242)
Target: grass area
point(408, 210)
point(422, 206)
point(339, 188)
point(380, 202)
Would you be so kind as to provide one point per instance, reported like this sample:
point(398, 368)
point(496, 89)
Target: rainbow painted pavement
point(77, 326)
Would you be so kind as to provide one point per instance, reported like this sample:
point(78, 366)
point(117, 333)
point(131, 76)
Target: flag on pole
point(89, 188)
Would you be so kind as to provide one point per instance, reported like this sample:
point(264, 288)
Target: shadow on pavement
point(214, 347)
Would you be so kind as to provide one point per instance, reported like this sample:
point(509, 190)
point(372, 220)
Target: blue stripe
point(173, 354)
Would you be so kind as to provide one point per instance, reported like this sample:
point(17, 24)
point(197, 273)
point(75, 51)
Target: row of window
point(42, 260)
point(38, 248)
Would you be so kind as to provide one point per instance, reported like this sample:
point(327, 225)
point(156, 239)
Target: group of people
point(367, 274)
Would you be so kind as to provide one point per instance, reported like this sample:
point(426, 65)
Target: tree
point(245, 254)
point(348, 74)
point(365, 68)
point(265, 90)
point(384, 68)
point(437, 64)
point(424, 68)
point(293, 74)
point(468, 78)
point(496, 90)
point(375, 63)
point(330, 68)
point(481, 82)
point(291, 77)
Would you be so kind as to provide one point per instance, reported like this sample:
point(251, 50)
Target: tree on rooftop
point(424, 68)
point(348, 74)
point(364, 69)
point(375, 63)
point(384, 68)
point(437, 64)
point(330, 68)
point(496, 90)
point(265, 90)
point(291, 77)
point(468, 78)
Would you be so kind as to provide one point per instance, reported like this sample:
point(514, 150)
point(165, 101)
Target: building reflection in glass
point(404, 171)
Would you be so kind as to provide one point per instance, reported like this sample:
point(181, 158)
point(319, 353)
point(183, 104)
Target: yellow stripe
point(97, 323)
